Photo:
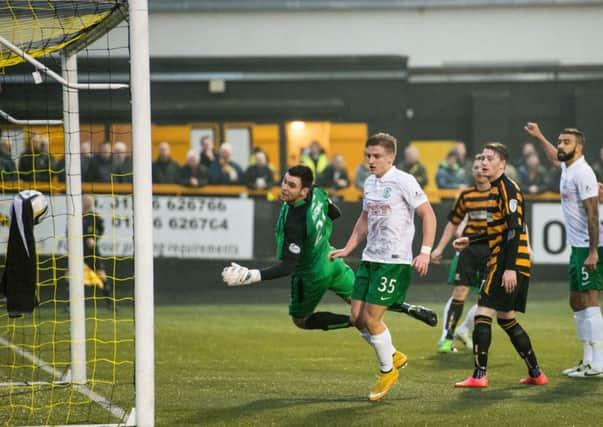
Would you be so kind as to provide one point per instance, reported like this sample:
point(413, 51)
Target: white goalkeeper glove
point(237, 275)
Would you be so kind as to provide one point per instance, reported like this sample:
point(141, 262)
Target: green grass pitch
point(248, 365)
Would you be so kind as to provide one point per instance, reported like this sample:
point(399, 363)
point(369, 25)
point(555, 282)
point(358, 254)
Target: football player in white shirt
point(391, 197)
point(580, 203)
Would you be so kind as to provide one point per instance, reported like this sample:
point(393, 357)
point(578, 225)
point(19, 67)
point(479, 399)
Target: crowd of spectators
point(453, 171)
point(208, 166)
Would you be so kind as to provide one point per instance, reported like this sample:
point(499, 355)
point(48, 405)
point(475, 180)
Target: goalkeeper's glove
point(237, 275)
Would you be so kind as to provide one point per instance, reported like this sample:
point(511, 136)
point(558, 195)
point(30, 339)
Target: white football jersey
point(390, 202)
point(578, 182)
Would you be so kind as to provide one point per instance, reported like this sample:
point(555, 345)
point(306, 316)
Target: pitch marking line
point(115, 410)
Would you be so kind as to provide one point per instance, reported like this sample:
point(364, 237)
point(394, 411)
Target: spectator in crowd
point(193, 173)
point(112, 166)
point(122, 164)
point(8, 170)
point(527, 149)
point(36, 163)
point(315, 158)
point(102, 164)
point(598, 166)
point(413, 166)
point(225, 171)
point(165, 169)
point(532, 175)
point(335, 176)
point(86, 160)
point(361, 174)
point(450, 175)
point(208, 155)
point(259, 176)
point(461, 150)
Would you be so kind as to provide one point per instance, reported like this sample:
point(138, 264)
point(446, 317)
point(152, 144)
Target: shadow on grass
point(237, 414)
point(458, 360)
point(564, 390)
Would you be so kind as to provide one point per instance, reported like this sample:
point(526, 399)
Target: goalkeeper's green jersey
point(302, 233)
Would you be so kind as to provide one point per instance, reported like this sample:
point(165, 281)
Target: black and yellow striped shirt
point(505, 221)
point(474, 204)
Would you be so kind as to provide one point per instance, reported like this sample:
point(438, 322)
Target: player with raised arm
point(505, 287)
point(391, 198)
point(303, 230)
point(580, 204)
point(467, 268)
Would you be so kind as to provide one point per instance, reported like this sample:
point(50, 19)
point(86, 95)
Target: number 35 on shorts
point(387, 285)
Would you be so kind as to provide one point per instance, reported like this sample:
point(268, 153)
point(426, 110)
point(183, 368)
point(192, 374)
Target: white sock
point(446, 308)
point(583, 334)
point(595, 329)
point(468, 322)
point(366, 335)
point(382, 344)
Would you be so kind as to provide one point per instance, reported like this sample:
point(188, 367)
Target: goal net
point(65, 130)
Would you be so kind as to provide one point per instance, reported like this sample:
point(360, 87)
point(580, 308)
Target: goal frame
point(143, 413)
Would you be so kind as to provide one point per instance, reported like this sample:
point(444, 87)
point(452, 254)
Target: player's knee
point(356, 321)
point(371, 324)
point(576, 303)
point(460, 293)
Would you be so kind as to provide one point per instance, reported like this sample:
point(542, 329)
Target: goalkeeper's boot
point(580, 367)
point(400, 360)
point(446, 346)
point(465, 338)
point(541, 379)
point(473, 382)
point(423, 314)
point(385, 381)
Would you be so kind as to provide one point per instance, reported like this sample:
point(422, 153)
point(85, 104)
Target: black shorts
point(493, 295)
point(472, 265)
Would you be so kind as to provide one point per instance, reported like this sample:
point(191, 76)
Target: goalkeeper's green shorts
point(307, 292)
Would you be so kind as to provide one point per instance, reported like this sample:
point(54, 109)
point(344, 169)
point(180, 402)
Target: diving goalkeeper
point(303, 230)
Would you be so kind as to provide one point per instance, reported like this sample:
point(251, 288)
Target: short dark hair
point(498, 148)
point(388, 142)
point(304, 173)
point(580, 138)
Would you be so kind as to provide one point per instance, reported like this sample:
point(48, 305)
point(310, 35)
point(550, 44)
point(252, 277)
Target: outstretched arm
point(549, 149)
point(358, 235)
point(237, 275)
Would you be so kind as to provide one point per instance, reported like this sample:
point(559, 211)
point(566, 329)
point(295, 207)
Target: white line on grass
point(115, 410)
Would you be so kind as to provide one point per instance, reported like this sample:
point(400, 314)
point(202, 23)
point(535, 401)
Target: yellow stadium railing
point(348, 194)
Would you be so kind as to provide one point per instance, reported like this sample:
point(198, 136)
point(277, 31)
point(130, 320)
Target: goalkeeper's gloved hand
point(237, 275)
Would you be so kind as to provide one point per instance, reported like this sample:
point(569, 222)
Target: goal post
point(73, 190)
point(34, 34)
point(143, 225)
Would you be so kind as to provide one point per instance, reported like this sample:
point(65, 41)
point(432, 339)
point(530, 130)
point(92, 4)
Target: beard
point(564, 157)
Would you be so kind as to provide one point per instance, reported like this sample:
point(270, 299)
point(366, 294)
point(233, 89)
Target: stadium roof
point(285, 5)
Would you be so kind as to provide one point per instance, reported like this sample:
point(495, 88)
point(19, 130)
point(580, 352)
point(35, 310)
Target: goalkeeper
point(302, 233)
